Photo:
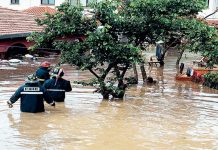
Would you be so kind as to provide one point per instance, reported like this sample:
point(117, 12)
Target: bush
point(211, 80)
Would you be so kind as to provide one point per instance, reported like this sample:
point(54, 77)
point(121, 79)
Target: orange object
point(202, 71)
point(183, 78)
point(45, 64)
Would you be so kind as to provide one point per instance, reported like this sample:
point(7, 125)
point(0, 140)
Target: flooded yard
point(169, 115)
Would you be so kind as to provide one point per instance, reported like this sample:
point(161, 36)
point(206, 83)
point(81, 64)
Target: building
point(15, 26)
point(40, 11)
point(25, 4)
point(211, 13)
point(212, 6)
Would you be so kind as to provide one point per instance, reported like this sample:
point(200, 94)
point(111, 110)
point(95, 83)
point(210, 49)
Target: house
point(40, 11)
point(25, 4)
point(211, 13)
point(15, 26)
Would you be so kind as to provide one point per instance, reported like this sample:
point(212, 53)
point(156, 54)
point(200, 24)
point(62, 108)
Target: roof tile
point(17, 22)
point(40, 11)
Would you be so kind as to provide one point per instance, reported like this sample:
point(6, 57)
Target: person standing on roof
point(32, 96)
point(42, 72)
point(57, 86)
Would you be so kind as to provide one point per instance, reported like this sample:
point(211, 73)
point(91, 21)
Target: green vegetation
point(211, 80)
point(114, 47)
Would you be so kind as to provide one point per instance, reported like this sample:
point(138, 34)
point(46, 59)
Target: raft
point(199, 71)
point(203, 71)
point(183, 78)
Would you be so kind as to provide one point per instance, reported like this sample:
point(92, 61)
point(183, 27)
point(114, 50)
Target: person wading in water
point(32, 96)
point(42, 72)
point(57, 86)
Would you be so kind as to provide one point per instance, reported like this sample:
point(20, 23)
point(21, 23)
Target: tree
point(149, 20)
point(114, 47)
point(102, 53)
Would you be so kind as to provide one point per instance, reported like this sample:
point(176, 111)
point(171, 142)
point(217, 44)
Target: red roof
point(213, 23)
point(17, 22)
point(40, 11)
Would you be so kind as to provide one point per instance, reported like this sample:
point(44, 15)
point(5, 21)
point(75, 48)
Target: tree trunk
point(164, 52)
point(135, 73)
point(144, 75)
point(180, 56)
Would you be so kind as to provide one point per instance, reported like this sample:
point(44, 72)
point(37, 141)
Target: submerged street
point(169, 115)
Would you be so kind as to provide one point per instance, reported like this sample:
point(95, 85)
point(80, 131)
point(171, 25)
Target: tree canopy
point(110, 49)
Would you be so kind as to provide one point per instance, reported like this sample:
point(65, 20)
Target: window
point(88, 2)
point(75, 2)
point(82, 2)
point(14, 1)
point(48, 2)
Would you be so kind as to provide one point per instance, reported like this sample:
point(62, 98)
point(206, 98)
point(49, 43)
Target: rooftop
point(40, 11)
point(14, 22)
point(213, 23)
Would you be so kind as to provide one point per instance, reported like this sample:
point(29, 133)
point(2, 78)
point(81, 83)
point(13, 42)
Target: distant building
point(211, 13)
point(25, 4)
point(40, 11)
point(212, 6)
point(15, 26)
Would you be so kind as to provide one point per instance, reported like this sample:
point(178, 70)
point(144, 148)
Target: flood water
point(169, 115)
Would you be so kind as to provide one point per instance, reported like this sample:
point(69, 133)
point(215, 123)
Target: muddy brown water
point(169, 115)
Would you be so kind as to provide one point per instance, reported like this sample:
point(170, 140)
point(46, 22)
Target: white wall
point(213, 5)
point(24, 4)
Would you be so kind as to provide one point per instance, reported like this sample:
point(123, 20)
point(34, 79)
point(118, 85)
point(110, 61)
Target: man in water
point(32, 96)
point(42, 72)
point(159, 55)
point(57, 86)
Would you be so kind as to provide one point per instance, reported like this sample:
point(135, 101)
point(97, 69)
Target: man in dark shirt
point(57, 86)
point(42, 72)
point(32, 96)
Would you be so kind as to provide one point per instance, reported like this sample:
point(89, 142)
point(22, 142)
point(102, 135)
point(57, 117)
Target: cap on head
point(160, 42)
point(31, 79)
point(45, 64)
point(57, 72)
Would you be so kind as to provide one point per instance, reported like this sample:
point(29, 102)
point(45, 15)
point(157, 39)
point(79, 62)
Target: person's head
point(45, 64)
point(31, 79)
point(57, 72)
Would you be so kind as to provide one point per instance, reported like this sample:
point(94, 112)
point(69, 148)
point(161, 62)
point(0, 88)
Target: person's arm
point(47, 97)
point(15, 97)
point(45, 84)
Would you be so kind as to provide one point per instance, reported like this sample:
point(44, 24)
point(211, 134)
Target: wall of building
point(5, 45)
point(24, 4)
point(213, 5)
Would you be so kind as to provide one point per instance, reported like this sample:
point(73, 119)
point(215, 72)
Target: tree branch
point(94, 73)
point(124, 70)
point(106, 71)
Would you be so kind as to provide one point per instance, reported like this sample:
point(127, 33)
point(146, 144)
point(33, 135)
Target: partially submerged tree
point(103, 54)
point(111, 50)
point(149, 20)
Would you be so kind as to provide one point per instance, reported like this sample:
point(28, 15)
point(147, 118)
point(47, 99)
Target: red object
point(183, 78)
point(45, 64)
